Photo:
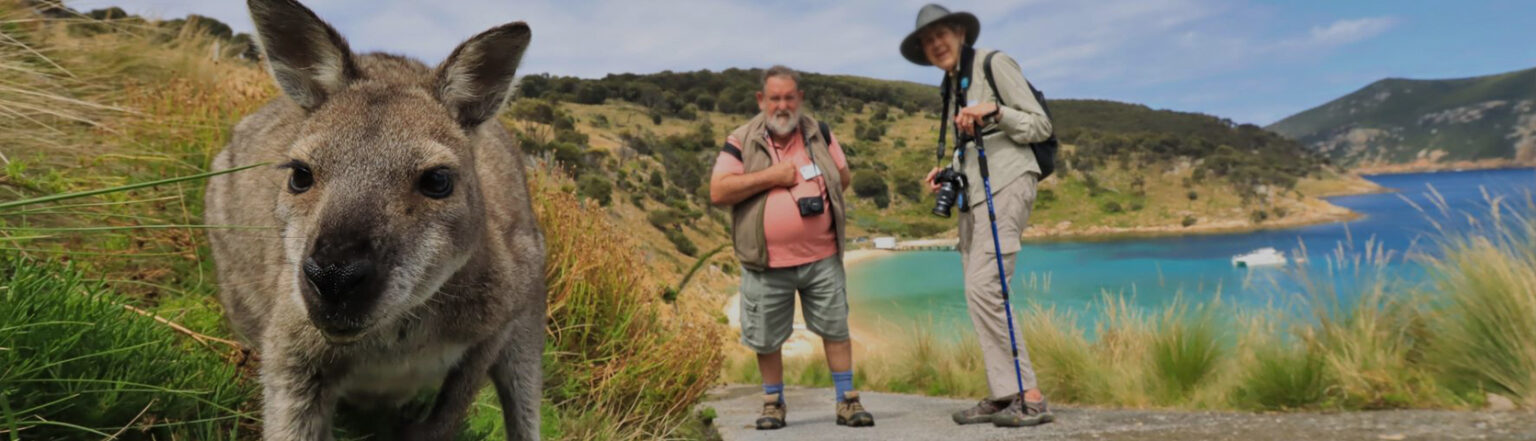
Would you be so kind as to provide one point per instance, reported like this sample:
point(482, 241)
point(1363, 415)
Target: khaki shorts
point(768, 303)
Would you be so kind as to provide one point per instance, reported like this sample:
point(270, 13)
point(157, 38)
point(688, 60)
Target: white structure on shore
point(885, 243)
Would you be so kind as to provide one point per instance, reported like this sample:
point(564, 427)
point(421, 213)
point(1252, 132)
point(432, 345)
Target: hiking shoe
point(850, 413)
point(1022, 413)
point(981, 413)
point(773, 413)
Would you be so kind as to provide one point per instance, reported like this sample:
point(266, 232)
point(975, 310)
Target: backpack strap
point(1045, 151)
point(826, 132)
point(986, 66)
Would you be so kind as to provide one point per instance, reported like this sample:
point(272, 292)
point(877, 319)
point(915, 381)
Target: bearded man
point(783, 175)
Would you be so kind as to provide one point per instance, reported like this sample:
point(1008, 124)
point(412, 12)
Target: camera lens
point(949, 191)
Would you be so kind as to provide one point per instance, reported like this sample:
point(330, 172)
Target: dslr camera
point(952, 186)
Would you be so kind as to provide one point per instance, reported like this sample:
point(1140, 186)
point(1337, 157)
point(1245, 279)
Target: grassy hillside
point(1397, 121)
point(110, 322)
point(1126, 169)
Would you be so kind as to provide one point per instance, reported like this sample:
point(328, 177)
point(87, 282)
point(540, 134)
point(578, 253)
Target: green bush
point(1112, 207)
point(1188, 221)
point(1258, 216)
point(664, 219)
point(682, 243)
point(910, 189)
point(871, 186)
point(595, 187)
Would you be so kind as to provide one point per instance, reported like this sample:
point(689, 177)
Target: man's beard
point(784, 122)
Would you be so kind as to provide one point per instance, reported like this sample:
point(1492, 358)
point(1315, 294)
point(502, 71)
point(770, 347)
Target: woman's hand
point(970, 117)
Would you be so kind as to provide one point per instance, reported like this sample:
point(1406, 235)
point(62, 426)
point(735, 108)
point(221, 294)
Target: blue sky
point(1252, 61)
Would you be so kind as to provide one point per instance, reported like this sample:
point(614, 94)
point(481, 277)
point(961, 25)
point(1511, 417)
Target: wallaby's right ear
point(309, 60)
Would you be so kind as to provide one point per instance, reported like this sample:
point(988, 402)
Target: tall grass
point(1484, 335)
point(75, 364)
point(620, 365)
point(1469, 332)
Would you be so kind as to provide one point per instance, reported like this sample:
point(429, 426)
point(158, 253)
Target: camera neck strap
point(953, 91)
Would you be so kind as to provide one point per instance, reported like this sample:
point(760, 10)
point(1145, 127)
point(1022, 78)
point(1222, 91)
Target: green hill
point(650, 139)
point(1398, 121)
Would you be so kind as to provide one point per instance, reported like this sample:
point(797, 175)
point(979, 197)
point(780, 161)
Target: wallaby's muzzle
point(342, 286)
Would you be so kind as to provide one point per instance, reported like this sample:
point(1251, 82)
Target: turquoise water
point(909, 287)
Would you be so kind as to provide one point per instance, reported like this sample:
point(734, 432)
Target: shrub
point(910, 189)
point(682, 243)
point(1045, 195)
point(871, 186)
point(1112, 207)
point(1258, 216)
point(596, 187)
point(1188, 221)
point(664, 219)
point(656, 180)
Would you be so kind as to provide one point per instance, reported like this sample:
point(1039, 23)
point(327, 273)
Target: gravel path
point(910, 417)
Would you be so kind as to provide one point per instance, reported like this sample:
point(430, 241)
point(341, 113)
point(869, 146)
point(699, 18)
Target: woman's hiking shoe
point(981, 413)
point(850, 413)
point(773, 413)
point(1022, 413)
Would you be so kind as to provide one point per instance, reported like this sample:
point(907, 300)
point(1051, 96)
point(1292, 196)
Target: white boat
point(1266, 256)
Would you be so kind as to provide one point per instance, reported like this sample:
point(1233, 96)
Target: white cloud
point(1348, 31)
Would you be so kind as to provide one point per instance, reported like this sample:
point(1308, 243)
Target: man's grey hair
point(779, 70)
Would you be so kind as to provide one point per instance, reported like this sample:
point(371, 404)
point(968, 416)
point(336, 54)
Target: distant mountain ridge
point(1402, 121)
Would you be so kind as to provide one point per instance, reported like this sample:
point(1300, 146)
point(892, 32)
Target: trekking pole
point(997, 247)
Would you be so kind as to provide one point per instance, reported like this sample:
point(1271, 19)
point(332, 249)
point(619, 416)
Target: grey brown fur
point(362, 287)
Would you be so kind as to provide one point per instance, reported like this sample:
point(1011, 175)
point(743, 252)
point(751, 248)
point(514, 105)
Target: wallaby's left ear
point(476, 80)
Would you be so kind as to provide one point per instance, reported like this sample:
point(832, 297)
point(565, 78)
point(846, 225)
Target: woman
point(1008, 118)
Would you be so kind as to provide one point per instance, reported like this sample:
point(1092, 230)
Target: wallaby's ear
point(309, 60)
point(476, 80)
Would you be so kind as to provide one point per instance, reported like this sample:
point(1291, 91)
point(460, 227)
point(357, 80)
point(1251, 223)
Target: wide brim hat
point(912, 46)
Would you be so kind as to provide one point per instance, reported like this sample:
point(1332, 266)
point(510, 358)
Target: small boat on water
point(1266, 256)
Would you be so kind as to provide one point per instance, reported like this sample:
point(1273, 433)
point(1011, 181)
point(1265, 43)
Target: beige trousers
point(983, 290)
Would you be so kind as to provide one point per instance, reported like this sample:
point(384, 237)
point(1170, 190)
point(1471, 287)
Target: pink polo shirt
point(792, 239)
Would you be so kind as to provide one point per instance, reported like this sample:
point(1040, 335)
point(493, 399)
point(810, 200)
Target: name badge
point(810, 171)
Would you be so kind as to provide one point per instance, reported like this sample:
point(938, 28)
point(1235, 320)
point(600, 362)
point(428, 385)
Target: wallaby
point(395, 249)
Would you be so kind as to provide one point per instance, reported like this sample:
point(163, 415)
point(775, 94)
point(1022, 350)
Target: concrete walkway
point(909, 417)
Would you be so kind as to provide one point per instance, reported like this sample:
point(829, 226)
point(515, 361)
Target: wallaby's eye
point(301, 179)
point(436, 183)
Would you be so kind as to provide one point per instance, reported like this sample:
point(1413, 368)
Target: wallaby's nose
point(336, 271)
point(335, 281)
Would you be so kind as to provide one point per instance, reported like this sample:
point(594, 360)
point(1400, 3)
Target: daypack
point(1045, 151)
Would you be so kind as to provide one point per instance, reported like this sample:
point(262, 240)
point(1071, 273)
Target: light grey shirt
point(1018, 124)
